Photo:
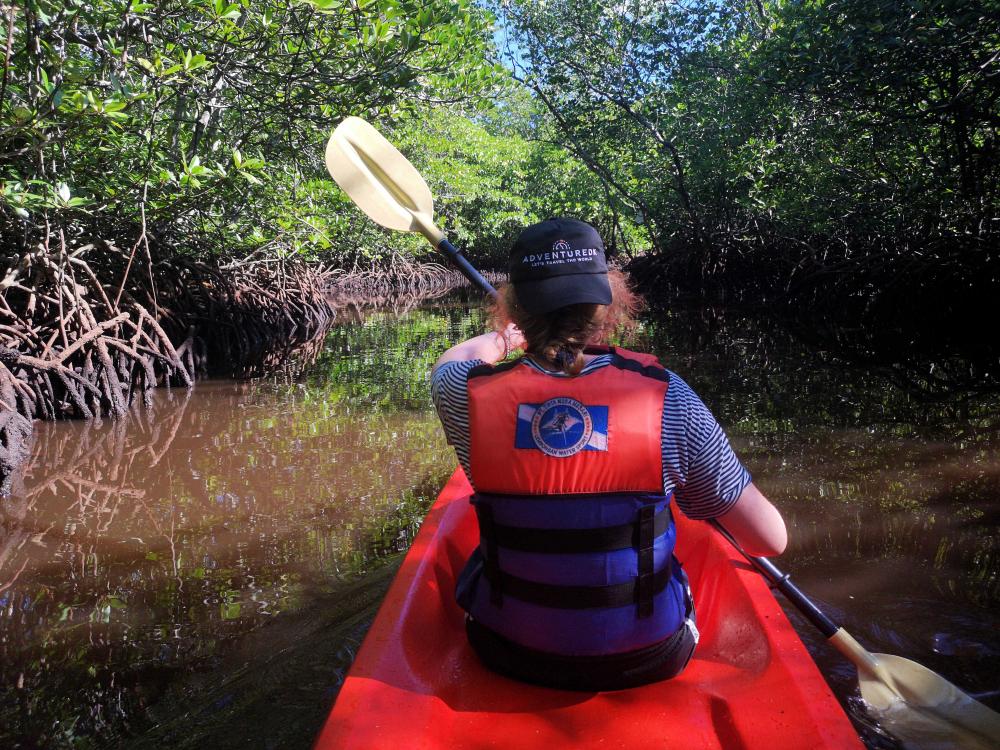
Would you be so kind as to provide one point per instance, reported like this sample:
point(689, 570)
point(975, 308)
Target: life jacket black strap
point(570, 541)
point(645, 581)
point(579, 597)
point(648, 371)
point(491, 558)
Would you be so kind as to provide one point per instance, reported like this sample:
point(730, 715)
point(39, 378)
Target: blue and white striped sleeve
point(451, 399)
point(699, 465)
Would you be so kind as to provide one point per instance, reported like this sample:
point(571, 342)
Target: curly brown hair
point(559, 337)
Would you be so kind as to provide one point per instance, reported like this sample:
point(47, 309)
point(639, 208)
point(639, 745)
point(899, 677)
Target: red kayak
point(417, 684)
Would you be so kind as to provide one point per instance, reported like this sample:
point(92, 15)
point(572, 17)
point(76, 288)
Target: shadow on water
point(201, 573)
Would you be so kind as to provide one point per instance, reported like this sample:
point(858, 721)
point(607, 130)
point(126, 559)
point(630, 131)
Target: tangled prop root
point(250, 318)
point(67, 351)
point(83, 331)
point(400, 274)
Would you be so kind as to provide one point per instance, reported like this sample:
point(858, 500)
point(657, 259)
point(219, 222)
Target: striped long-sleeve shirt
point(699, 465)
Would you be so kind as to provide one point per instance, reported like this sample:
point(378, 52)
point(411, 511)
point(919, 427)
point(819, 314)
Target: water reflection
point(144, 553)
point(202, 572)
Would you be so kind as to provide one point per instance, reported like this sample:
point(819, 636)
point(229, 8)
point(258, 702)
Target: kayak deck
point(417, 684)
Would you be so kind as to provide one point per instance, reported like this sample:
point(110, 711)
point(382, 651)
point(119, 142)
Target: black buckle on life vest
point(491, 556)
point(645, 585)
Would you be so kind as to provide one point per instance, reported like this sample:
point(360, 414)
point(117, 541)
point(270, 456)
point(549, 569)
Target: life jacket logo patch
point(562, 427)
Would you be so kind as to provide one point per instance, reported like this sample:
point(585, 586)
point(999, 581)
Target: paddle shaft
point(465, 267)
point(781, 581)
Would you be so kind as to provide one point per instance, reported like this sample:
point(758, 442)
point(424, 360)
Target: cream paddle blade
point(918, 706)
point(384, 185)
point(380, 180)
point(914, 704)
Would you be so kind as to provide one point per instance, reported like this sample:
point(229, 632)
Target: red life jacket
point(576, 538)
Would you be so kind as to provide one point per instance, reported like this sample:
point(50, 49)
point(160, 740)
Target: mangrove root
point(84, 330)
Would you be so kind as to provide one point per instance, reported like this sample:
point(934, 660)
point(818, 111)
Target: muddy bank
point(87, 328)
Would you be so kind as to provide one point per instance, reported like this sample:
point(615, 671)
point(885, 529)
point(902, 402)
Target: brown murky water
point(201, 573)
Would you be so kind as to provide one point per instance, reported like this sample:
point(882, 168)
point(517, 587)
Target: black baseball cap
point(559, 262)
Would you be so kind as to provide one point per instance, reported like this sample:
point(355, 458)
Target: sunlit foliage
point(203, 120)
point(819, 140)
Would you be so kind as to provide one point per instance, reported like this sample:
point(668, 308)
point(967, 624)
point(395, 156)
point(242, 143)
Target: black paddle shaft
point(466, 268)
point(781, 581)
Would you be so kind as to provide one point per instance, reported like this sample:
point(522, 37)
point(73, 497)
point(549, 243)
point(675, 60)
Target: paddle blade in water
point(378, 178)
point(924, 710)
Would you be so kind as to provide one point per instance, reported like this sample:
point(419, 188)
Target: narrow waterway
point(201, 573)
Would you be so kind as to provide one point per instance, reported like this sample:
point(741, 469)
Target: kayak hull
point(417, 684)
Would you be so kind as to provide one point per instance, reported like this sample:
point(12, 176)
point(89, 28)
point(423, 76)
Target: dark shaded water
point(201, 573)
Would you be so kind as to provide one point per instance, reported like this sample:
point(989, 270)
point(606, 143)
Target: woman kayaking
point(574, 451)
